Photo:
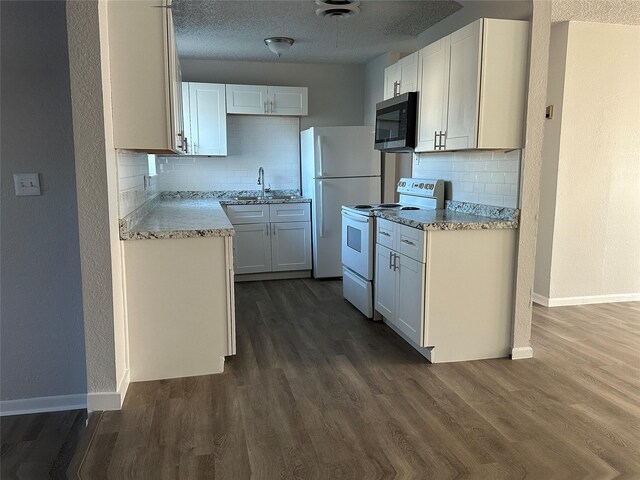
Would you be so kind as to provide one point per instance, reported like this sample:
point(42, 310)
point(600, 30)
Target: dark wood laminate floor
point(39, 445)
point(316, 391)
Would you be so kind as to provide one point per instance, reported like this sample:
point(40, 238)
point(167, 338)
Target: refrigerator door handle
point(319, 142)
point(321, 206)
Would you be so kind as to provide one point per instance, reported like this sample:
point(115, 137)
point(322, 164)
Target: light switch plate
point(26, 184)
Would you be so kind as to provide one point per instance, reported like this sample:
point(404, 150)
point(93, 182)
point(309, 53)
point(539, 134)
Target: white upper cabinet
point(401, 77)
point(473, 86)
point(206, 128)
point(464, 87)
point(288, 101)
point(409, 73)
point(434, 80)
point(247, 99)
point(392, 76)
point(267, 100)
point(146, 89)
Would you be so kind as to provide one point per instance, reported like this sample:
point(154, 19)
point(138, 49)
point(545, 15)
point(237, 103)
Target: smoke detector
point(337, 8)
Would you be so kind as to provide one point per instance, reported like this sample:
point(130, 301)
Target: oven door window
point(354, 239)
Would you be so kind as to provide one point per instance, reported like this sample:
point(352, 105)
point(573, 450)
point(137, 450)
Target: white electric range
point(358, 236)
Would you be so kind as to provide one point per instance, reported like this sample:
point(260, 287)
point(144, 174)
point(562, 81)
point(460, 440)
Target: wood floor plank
point(317, 391)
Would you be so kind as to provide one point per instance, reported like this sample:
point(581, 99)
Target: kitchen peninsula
point(179, 260)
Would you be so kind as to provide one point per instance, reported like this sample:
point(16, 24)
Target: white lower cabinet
point(386, 283)
point(400, 291)
point(265, 246)
point(449, 293)
point(290, 246)
point(252, 248)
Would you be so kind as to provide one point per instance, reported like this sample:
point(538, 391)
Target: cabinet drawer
point(289, 212)
point(386, 233)
point(411, 242)
point(240, 214)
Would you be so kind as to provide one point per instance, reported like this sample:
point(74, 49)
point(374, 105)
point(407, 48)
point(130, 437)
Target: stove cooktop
point(368, 209)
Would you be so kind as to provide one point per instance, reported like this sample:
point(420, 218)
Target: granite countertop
point(181, 218)
point(189, 215)
point(456, 216)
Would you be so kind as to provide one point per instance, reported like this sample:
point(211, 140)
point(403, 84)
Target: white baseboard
point(586, 300)
point(100, 401)
point(520, 353)
point(43, 404)
point(540, 299)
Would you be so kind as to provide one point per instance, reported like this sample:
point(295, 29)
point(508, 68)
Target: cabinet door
point(252, 248)
point(392, 76)
point(288, 101)
point(290, 246)
point(208, 118)
point(464, 87)
point(186, 117)
point(434, 81)
point(411, 288)
point(175, 90)
point(247, 99)
point(409, 73)
point(385, 284)
point(144, 75)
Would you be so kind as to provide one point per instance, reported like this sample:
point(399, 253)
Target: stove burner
point(389, 205)
point(361, 207)
point(409, 208)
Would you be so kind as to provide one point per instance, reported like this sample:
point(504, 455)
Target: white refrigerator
point(339, 167)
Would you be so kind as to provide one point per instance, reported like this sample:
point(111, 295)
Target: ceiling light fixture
point(278, 45)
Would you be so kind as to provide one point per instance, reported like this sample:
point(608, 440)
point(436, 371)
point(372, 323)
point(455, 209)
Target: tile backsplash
point(485, 177)
point(252, 142)
point(133, 169)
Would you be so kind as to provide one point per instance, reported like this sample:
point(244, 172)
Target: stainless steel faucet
point(261, 179)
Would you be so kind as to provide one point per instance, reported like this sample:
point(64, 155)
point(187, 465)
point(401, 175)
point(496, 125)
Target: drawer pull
point(408, 242)
point(384, 233)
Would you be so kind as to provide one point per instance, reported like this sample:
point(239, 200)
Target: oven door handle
point(356, 218)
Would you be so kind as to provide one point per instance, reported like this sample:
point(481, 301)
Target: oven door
point(357, 239)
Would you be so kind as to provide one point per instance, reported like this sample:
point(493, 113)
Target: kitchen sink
point(249, 197)
point(283, 197)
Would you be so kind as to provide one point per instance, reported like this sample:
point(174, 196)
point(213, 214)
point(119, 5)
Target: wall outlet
point(26, 184)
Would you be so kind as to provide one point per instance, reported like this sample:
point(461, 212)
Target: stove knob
point(421, 185)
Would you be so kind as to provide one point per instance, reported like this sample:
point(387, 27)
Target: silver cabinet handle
point(395, 264)
point(267, 230)
point(443, 140)
point(384, 233)
point(390, 260)
point(435, 139)
point(408, 242)
point(271, 106)
point(275, 229)
point(265, 106)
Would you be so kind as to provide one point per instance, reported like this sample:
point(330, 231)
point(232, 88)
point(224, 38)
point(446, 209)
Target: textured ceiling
point(625, 12)
point(235, 29)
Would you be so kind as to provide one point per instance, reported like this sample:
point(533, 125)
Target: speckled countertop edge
point(141, 224)
point(456, 216)
point(228, 197)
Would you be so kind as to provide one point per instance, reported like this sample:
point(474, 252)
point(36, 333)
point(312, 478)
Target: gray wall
point(42, 341)
point(335, 91)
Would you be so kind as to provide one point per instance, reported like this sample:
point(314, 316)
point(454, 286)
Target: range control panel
point(421, 187)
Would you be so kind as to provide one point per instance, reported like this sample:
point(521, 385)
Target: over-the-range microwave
point(396, 123)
